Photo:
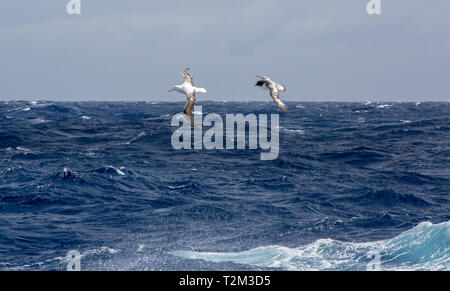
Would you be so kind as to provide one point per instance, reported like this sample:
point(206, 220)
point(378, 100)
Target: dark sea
point(355, 184)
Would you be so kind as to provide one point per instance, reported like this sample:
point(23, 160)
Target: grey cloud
point(323, 50)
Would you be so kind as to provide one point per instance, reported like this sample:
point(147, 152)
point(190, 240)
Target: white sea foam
point(137, 137)
point(118, 170)
point(38, 121)
point(22, 149)
point(425, 247)
point(293, 130)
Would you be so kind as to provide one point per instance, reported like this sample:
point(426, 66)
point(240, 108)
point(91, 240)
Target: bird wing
point(263, 77)
point(283, 107)
point(189, 107)
point(187, 77)
point(275, 96)
point(280, 87)
point(260, 83)
point(274, 93)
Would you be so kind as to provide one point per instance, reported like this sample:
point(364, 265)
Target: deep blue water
point(103, 179)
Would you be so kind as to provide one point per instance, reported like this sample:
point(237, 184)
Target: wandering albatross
point(275, 89)
point(189, 89)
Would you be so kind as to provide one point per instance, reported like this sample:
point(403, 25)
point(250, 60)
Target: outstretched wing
point(275, 96)
point(280, 87)
point(187, 77)
point(283, 107)
point(274, 93)
point(189, 107)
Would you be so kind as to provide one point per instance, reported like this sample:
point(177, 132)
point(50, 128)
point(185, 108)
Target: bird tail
point(200, 90)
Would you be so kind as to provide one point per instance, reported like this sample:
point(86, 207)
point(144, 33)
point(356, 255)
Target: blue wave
point(82, 176)
point(425, 247)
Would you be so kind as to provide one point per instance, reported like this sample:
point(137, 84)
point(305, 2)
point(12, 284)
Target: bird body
point(189, 90)
point(275, 90)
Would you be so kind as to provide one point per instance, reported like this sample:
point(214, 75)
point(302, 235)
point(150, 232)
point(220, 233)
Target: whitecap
point(87, 253)
point(178, 187)
point(136, 138)
point(22, 149)
point(118, 170)
point(163, 117)
point(297, 131)
point(100, 250)
point(38, 121)
point(425, 247)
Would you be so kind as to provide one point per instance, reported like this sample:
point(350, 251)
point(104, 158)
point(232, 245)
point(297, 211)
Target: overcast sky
point(322, 50)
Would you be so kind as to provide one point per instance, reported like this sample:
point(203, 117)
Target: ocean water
point(354, 184)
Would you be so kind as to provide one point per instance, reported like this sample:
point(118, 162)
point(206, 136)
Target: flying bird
point(189, 89)
point(275, 89)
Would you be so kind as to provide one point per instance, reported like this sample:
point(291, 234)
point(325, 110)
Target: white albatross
point(275, 89)
point(189, 89)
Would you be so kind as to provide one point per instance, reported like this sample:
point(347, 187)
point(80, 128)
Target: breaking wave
point(425, 247)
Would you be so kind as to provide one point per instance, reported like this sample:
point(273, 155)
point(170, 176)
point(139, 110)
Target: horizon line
point(221, 101)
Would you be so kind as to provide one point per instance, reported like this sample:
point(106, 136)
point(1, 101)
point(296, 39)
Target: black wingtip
point(259, 83)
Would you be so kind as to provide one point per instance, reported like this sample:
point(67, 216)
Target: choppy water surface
point(103, 179)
